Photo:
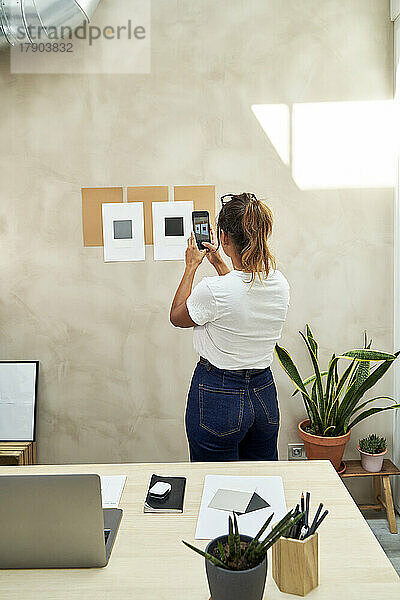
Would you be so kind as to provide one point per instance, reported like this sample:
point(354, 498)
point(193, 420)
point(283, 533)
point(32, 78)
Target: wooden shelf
point(354, 469)
point(380, 480)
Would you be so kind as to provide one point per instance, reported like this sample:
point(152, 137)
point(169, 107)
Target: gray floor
point(390, 542)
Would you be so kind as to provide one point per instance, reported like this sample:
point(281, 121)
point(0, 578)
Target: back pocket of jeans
point(267, 397)
point(221, 411)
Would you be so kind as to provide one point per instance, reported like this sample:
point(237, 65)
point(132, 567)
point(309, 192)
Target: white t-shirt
point(238, 324)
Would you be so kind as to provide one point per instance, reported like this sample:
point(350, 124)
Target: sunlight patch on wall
point(275, 120)
point(336, 144)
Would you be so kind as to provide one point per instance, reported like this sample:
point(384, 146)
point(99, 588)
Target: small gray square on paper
point(123, 230)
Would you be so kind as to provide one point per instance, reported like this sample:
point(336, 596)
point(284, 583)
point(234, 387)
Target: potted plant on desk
point(333, 406)
point(236, 565)
point(372, 450)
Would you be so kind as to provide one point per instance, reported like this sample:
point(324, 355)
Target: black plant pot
point(235, 585)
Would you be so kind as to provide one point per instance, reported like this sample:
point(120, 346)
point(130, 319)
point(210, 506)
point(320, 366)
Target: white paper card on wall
point(123, 231)
point(17, 401)
point(172, 226)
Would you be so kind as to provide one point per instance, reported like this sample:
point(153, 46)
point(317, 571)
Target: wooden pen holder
point(295, 565)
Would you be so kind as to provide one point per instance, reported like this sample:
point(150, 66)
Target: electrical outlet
point(296, 451)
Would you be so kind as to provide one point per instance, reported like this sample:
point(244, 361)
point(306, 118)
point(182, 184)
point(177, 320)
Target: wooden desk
point(380, 480)
point(149, 561)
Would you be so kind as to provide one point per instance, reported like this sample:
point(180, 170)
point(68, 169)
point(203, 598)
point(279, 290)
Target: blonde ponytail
point(248, 222)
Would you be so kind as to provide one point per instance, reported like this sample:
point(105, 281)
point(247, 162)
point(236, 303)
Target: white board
point(17, 401)
point(213, 523)
point(123, 231)
point(172, 226)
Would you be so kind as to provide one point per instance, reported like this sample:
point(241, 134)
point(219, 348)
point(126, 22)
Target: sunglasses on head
point(230, 196)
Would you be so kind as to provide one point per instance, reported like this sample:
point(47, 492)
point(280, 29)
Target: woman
point(232, 410)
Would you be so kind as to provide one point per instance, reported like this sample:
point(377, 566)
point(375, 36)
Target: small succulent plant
point(373, 444)
point(237, 555)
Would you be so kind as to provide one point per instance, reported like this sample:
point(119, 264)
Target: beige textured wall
point(114, 373)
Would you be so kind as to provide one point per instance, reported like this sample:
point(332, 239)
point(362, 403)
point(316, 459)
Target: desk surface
point(150, 562)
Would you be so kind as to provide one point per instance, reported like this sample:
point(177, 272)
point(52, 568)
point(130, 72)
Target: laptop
point(55, 521)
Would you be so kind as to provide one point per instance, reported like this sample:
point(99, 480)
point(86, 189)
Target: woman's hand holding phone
point(212, 247)
point(193, 256)
point(213, 254)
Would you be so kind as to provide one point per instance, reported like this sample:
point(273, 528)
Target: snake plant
point(332, 399)
point(236, 555)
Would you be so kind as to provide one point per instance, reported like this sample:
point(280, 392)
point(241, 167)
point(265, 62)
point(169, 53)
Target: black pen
point(300, 523)
point(307, 509)
point(305, 528)
point(318, 523)
point(311, 530)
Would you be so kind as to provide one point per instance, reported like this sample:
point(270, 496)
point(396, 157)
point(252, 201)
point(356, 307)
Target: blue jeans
point(232, 415)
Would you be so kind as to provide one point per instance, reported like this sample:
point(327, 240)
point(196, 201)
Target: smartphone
point(201, 227)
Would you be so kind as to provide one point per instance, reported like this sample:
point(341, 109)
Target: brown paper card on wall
point(92, 199)
point(148, 194)
point(203, 197)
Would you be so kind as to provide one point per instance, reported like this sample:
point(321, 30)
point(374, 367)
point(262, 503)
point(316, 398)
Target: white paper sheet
point(127, 219)
point(212, 522)
point(171, 247)
point(111, 490)
point(17, 401)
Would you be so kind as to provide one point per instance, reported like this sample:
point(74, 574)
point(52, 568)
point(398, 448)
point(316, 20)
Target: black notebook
point(173, 503)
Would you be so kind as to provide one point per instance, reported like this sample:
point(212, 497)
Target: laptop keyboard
point(106, 535)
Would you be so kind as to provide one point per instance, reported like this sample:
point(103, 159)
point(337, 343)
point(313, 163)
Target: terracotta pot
point(372, 462)
point(323, 448)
